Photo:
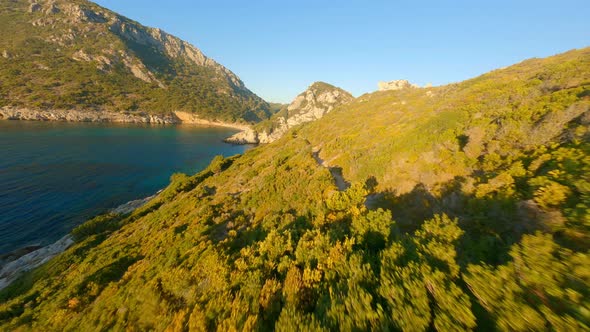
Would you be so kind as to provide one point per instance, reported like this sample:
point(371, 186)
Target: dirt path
point(335, 171)
point(372, 200)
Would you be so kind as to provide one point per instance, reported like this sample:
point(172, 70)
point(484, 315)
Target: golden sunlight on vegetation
point(468, 208)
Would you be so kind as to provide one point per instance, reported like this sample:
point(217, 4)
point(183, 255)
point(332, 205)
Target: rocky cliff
point(312, 104)
point(74, 54)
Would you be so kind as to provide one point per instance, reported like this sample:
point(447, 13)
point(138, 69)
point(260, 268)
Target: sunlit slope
point(430, 135)
point(467, 209)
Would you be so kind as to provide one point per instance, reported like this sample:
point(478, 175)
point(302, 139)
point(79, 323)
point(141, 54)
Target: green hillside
point(467, 207)
point(78, 55)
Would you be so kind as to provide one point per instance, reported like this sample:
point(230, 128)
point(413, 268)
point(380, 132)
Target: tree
point(544, 286)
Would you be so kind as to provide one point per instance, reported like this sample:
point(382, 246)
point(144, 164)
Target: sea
point(56, 175)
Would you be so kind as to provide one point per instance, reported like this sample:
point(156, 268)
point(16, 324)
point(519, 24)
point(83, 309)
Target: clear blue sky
point(279, 47)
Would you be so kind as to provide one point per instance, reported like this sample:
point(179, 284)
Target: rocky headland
point(316, 101)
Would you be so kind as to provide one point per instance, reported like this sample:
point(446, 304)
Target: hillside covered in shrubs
point(76, 55)
point(465, 207)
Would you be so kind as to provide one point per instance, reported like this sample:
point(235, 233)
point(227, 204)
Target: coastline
point(189, 118)
point(13, 269)
point(14, 264)
point(177, 117)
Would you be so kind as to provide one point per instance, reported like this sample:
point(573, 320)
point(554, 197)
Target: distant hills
point(76, 55)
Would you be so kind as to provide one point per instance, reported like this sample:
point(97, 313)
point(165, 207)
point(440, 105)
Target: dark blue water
point(54, 175)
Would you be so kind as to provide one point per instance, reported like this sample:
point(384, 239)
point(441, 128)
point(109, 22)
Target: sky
point(279, 47)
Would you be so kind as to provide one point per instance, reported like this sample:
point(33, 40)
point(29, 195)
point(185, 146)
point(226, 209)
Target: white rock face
point(312, 105)
point(79, 14)
point(132, 205)
point(318, 100)
point(12, 270)
point(248, 136)
point(395, 85)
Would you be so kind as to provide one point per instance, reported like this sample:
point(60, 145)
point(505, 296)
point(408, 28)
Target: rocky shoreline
point(23, 260)
point(12, 270)
point(13, 113)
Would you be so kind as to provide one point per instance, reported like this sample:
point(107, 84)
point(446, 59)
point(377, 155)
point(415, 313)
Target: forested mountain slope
point(62, 55)
point(467, 207)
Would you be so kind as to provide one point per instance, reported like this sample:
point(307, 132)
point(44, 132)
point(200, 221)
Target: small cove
point(55, 175)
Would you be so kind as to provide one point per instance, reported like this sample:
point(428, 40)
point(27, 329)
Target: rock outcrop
point(247, 136)
point(132, 205)
point(395, 85)
point(319, 99)
point(12, 270)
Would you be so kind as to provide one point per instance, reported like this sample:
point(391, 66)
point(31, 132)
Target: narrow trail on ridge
point(336, 172)
point(372, 200)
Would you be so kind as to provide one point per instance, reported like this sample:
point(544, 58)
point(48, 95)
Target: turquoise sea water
point(55, 175)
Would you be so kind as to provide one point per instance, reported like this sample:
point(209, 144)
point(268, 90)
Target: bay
point(56, 175)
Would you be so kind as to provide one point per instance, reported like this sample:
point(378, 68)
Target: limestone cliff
point(319, 99)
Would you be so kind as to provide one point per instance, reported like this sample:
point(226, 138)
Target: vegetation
point(468, 209)
point(59, 61)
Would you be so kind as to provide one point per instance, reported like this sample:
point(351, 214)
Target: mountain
point(77, 56)
point(317, 100)
point(456, 207)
